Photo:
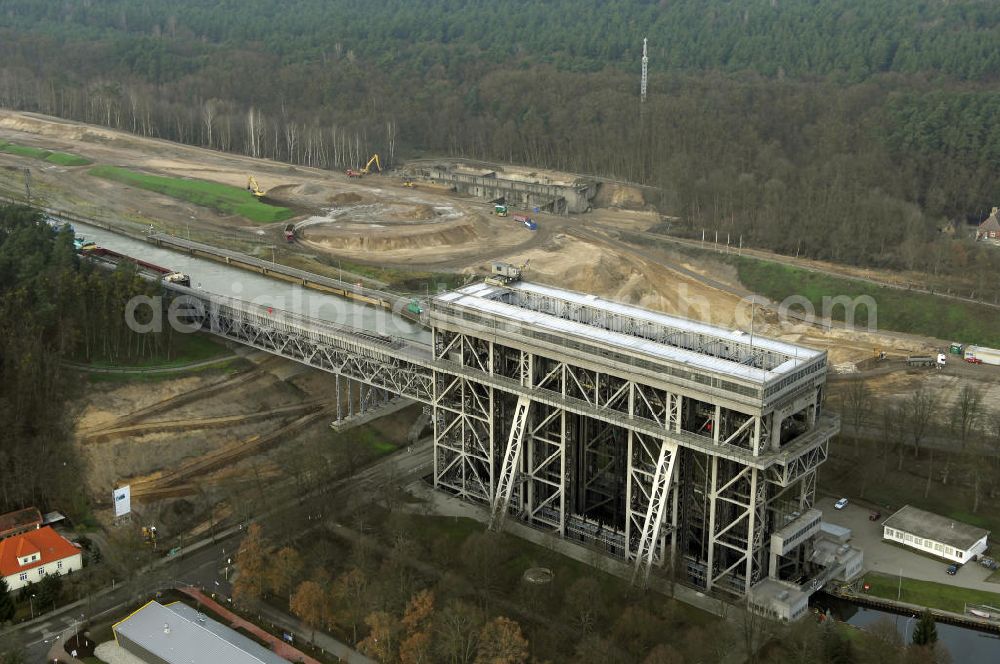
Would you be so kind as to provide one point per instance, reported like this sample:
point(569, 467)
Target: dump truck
point(290, 233)
point(500, 210)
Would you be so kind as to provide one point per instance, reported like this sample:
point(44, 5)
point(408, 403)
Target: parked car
point(952, 569)
point(840, 504)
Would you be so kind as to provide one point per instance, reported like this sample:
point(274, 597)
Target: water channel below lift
point(963, 643)
point(226, 280)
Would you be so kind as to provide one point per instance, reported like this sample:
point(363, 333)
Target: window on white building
point(23, 576)
point(959, 554)
point(59, 565)
point(41, 571)
point(888, 532)
point(918, 541)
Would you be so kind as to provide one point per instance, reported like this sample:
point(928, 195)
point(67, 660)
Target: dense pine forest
point(54, 307)
point(860, 131)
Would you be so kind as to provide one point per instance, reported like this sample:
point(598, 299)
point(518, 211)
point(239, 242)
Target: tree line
point(855, 132)
point(54, 307)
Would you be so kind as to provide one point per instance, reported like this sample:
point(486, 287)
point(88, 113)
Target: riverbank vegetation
point(53, 307)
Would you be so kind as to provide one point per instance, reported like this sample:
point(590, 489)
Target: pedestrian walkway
point(286, 622)
point(281, 648)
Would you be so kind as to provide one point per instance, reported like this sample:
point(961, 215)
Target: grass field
point(928, 593)
point(221, 197)
point(897, 310)
point(60, 158)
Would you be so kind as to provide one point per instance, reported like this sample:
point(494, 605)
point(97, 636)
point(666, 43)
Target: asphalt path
point(205, 564)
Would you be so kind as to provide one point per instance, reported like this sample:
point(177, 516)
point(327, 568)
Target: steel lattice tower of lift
point(651, 437)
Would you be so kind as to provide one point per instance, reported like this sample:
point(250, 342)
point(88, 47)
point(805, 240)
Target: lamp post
point(31, 605)
point(906, 630)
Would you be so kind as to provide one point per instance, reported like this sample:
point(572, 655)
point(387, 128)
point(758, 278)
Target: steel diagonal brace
point(511, 460)
point(646, 551)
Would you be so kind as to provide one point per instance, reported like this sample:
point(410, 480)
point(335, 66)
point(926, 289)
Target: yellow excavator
point(374, 160)
point(254, 188)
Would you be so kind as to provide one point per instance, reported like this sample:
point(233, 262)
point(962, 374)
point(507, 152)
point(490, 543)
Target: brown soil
point(421, 228)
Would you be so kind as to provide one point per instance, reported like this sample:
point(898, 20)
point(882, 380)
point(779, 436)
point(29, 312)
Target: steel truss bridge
point(651, 465)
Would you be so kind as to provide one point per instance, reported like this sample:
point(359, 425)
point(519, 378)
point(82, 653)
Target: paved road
point(895, 560)
point(76, 366)
point(206, 566)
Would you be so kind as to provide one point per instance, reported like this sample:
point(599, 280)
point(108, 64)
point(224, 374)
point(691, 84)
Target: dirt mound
point(611, 194)
point(381, 239)
point(410, 213)
point(346, 198)
point(62, 129)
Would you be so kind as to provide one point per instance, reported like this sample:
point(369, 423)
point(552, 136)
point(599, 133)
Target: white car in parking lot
point(840, 504)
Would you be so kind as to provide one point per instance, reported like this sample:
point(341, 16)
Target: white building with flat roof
point(935, 534)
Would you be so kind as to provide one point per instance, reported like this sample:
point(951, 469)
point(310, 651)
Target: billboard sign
point(123, 500)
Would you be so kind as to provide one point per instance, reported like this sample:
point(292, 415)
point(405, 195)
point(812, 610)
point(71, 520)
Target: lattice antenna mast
point(645, 66)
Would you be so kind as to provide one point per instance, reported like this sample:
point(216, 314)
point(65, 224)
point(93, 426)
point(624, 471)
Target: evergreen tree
point(925, 631)
point(49, 590)
point(7, 607)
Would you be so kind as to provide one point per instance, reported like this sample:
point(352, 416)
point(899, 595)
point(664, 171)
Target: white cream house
point(30, 556)
point(935, 534)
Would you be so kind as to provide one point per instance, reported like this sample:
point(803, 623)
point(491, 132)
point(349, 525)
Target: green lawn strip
point(522, 555)
point(185, 349)
point(61, 158)
point(221, 197)
point(899, 310)
point(928, 593)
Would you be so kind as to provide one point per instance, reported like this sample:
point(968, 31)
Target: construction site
point(622, 396)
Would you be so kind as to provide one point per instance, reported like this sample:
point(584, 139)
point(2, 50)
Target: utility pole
point(645, 66)
point(27, 184)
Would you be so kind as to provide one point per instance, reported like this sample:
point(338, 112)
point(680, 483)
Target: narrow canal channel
point(965, 645)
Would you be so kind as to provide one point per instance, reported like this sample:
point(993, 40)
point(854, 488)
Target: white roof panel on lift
point(481, 296)
point(637, 344)
point(665, 319)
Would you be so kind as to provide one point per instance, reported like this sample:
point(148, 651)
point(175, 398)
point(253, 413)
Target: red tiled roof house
point(21, 521)
point(30, 556)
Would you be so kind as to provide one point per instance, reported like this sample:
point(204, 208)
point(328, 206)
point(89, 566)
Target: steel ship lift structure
point(658, 440)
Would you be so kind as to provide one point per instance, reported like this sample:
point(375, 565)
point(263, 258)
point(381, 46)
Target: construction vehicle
point(921, 360)
point(373, 160)
point(500, 210)
point(504, 274)
point(178, 278)
point(254, 188)
point(408, 183)
point(526, 221)
point(290, 233)
point(414, 307)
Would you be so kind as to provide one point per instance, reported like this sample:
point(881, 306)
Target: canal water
point(963, 644)
point(229, 281)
